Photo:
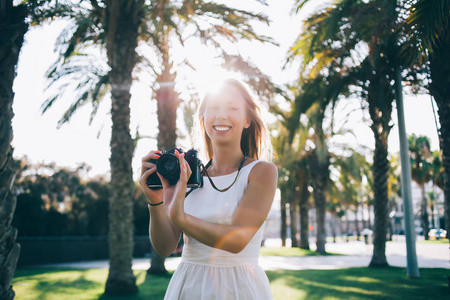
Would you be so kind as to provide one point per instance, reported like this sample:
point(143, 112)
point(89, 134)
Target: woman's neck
point(225, 160)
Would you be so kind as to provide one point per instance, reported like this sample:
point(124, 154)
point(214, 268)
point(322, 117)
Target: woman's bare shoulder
point(263, 170)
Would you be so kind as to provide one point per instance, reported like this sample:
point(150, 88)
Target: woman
point(223, 221)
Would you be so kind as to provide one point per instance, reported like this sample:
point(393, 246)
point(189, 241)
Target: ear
point(247, 123)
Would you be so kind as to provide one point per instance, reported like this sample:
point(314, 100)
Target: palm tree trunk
point(369, 217)
point(283, 228)
point(440, 89)
point(424, 213)
point(333, 227)
point(167, 105)
point(380, 174)
point(304, 217)
point(380, 109)
point(293, 216)
point(433, 220)
point(167, 101)
point(319, 175)
point(361, 204)
point(347, 223)
point(121, 44)
point(358, 232)
point(12, 31)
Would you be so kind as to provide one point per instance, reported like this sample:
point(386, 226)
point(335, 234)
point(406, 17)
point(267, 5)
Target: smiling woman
point(231, 109)
point(223, 221)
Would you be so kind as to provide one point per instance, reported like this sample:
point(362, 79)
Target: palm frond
point(87, 78)
point(431, 20)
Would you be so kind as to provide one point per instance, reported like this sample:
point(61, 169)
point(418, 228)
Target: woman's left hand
point(175, 205)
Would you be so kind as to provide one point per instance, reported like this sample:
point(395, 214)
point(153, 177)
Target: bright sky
point(37, 137)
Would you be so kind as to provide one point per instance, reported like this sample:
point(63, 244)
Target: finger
point(164, 182)
point(146, 174)
point(147, 166)
point(154, 154)
point(183, 168)
point(188, 169)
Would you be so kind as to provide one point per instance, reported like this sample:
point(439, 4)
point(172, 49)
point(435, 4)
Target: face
point(225, 115)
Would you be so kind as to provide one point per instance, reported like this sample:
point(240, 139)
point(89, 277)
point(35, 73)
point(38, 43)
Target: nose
point(222, 113)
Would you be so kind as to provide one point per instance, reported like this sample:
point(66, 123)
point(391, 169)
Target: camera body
point(168, 166)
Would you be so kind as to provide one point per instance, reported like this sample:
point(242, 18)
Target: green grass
point(354, 283)
point(359, 283)
point(41, 283)
point(440, 241)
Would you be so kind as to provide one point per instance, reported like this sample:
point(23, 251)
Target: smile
point(221, 128)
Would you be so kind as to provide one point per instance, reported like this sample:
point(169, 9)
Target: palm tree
point(356, 40)
point(304, 205)
point(317, 158)
point(421, 173)
point(428, 41)
point(159, 24)
point(437, 177)
point(352, 169)
point(291, 158)
point(285, 158)
point(12, 31)
point(114, 27)
point(211, 23)
point(394, 184)
point(169, 22)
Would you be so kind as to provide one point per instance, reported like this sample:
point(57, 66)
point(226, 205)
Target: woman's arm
point(250, 214)
point(163, 235)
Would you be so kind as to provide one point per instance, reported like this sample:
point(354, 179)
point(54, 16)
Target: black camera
point(168, 166)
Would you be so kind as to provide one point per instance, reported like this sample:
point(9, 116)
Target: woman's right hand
point(148, 168)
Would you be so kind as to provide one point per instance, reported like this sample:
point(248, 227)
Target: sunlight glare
point(210, 81)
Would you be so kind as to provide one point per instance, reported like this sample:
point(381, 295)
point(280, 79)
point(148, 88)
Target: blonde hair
point(255, 140)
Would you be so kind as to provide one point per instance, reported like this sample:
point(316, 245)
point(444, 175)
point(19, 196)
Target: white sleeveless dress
point(209, 273)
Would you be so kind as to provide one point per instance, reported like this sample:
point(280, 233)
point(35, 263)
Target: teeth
point(222, 128)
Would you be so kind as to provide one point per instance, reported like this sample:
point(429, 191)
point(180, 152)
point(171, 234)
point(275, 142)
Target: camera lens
point(168, 166)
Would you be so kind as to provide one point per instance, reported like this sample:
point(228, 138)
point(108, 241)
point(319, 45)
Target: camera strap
point(212, 183)
point(205, 171)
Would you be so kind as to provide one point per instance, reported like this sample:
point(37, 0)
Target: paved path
point(358, 254)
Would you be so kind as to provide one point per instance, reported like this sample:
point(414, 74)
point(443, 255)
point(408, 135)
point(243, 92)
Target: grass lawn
point(353, 283)
point(440, 241)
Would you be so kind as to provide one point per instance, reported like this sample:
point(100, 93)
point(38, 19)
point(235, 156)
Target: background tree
point(353, 168)
point(56, 201)
point(113, 26)
point(317, 160)
point(394, 187)
point(211, 24)
point(291, 158)
point(303, 181)
point(438, 181)
point(159, 25)
point(12, 31)
point(421, 173)
point(284, 160)
point(428, 41)
point(358, 41)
